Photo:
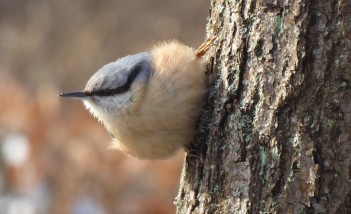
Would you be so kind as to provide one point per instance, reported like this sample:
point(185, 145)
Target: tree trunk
point(275, 134)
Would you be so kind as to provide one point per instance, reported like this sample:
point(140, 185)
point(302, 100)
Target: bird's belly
point(152, 145)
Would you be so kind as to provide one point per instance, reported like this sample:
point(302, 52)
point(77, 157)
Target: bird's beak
point(80, 95)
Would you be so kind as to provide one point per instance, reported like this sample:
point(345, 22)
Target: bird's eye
point(88, 93)
point(121, 89)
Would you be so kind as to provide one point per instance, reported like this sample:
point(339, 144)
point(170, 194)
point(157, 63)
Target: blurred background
point(54, 157)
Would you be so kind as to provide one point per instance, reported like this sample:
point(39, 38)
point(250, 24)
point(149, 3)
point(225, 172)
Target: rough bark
point(275, 135)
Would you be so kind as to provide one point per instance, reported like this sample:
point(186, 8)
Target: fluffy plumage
point(163, 112)
point(149, 102)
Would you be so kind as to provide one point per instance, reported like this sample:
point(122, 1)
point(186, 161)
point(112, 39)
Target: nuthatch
point(150, 102)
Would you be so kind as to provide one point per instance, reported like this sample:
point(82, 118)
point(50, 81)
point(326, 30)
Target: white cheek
point(107, 107)
point(116, 103)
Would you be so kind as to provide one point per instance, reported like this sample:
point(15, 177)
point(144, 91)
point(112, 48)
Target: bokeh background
point(54, 157)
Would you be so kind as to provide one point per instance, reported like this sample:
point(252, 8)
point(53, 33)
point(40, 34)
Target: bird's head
point(109, 91)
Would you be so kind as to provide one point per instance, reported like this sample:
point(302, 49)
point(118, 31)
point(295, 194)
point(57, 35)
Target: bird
point(149, 102)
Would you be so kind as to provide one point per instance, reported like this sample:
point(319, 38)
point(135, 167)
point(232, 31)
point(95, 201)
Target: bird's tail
point(205, 46)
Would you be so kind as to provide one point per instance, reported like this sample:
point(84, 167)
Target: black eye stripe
point(119, 90)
